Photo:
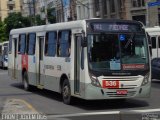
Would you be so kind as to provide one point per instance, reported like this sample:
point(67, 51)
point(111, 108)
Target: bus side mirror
point(84, 42)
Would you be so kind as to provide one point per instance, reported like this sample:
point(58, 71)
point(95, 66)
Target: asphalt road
point(50, 103)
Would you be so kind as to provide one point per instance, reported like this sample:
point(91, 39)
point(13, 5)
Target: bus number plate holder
point(110, 84)
point(122, 92)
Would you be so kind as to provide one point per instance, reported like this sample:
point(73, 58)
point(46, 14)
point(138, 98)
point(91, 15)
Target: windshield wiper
point(129, 41)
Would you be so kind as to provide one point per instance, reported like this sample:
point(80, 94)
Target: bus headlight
point(145, 80)
point(94, 81)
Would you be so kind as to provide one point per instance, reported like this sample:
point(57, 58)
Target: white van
point(4, 54)
point(154, 33)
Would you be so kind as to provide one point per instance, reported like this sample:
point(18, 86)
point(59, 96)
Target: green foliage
point(39, 21)
point(16, 20)
point(51, 13)
point(3, 36)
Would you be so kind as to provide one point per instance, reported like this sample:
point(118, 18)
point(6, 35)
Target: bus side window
point(22, 44)
point(50, 44)
point(64, 46)
point(31, 43)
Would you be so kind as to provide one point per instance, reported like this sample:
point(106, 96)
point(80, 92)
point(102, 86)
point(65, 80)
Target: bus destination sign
point(115, 27)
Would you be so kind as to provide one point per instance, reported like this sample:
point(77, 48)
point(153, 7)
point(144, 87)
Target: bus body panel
point(53, 72)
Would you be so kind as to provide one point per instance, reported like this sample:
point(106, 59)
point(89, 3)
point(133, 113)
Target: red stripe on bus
point(25, 62)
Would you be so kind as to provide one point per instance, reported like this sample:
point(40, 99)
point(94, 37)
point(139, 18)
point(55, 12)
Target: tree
point(39, 21)
point(16, 20)
point(51, 13)
point(3, 36)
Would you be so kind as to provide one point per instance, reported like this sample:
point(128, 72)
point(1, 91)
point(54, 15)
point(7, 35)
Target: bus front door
point(15, 64)
point(78, 63)
point(41, 73)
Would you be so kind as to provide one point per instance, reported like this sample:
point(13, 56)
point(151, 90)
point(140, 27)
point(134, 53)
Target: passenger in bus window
point(69, 44)
point(68, 52)
point(58, 44)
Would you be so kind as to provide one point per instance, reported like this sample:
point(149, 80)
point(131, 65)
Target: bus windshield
point(117, 51)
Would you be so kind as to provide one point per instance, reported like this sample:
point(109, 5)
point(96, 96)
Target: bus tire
point(25, 81)
point(66, 92)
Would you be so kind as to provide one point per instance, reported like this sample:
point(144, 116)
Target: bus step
point(40, 86)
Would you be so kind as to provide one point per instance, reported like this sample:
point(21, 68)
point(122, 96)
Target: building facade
point(30, 7)
point(128, 9)
point(73, 14)
point(9, 6)
point(57, 5)
point(85, 9)
point(119, 9)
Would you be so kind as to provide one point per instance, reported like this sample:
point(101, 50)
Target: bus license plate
point(110, 84)
point(122, 92)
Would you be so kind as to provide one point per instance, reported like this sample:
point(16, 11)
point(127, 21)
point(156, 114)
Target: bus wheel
point(25, 81)
point(66, 92)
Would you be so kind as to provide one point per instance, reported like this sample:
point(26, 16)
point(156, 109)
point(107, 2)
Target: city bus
point(90, 59)
point(154, 34)
point(4, 54)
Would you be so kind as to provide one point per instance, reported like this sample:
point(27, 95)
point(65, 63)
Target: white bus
point(4, 54)
point(154, 33)
point(89, 59)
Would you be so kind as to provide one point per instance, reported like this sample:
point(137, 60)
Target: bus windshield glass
point(117, 51)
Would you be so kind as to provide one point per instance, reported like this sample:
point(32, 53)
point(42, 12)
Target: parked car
point(156, 68)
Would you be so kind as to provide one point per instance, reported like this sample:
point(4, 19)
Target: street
point(50, 103)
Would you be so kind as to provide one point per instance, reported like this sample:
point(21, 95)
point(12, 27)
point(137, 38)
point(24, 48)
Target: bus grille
point(114, 94)
point(123, 78)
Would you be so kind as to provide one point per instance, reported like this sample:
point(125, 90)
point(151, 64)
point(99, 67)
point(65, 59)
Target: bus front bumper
point(96, 93)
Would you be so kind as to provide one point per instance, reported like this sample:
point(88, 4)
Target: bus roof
point(65, 25)
point(153, 30)
point(5, 42)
